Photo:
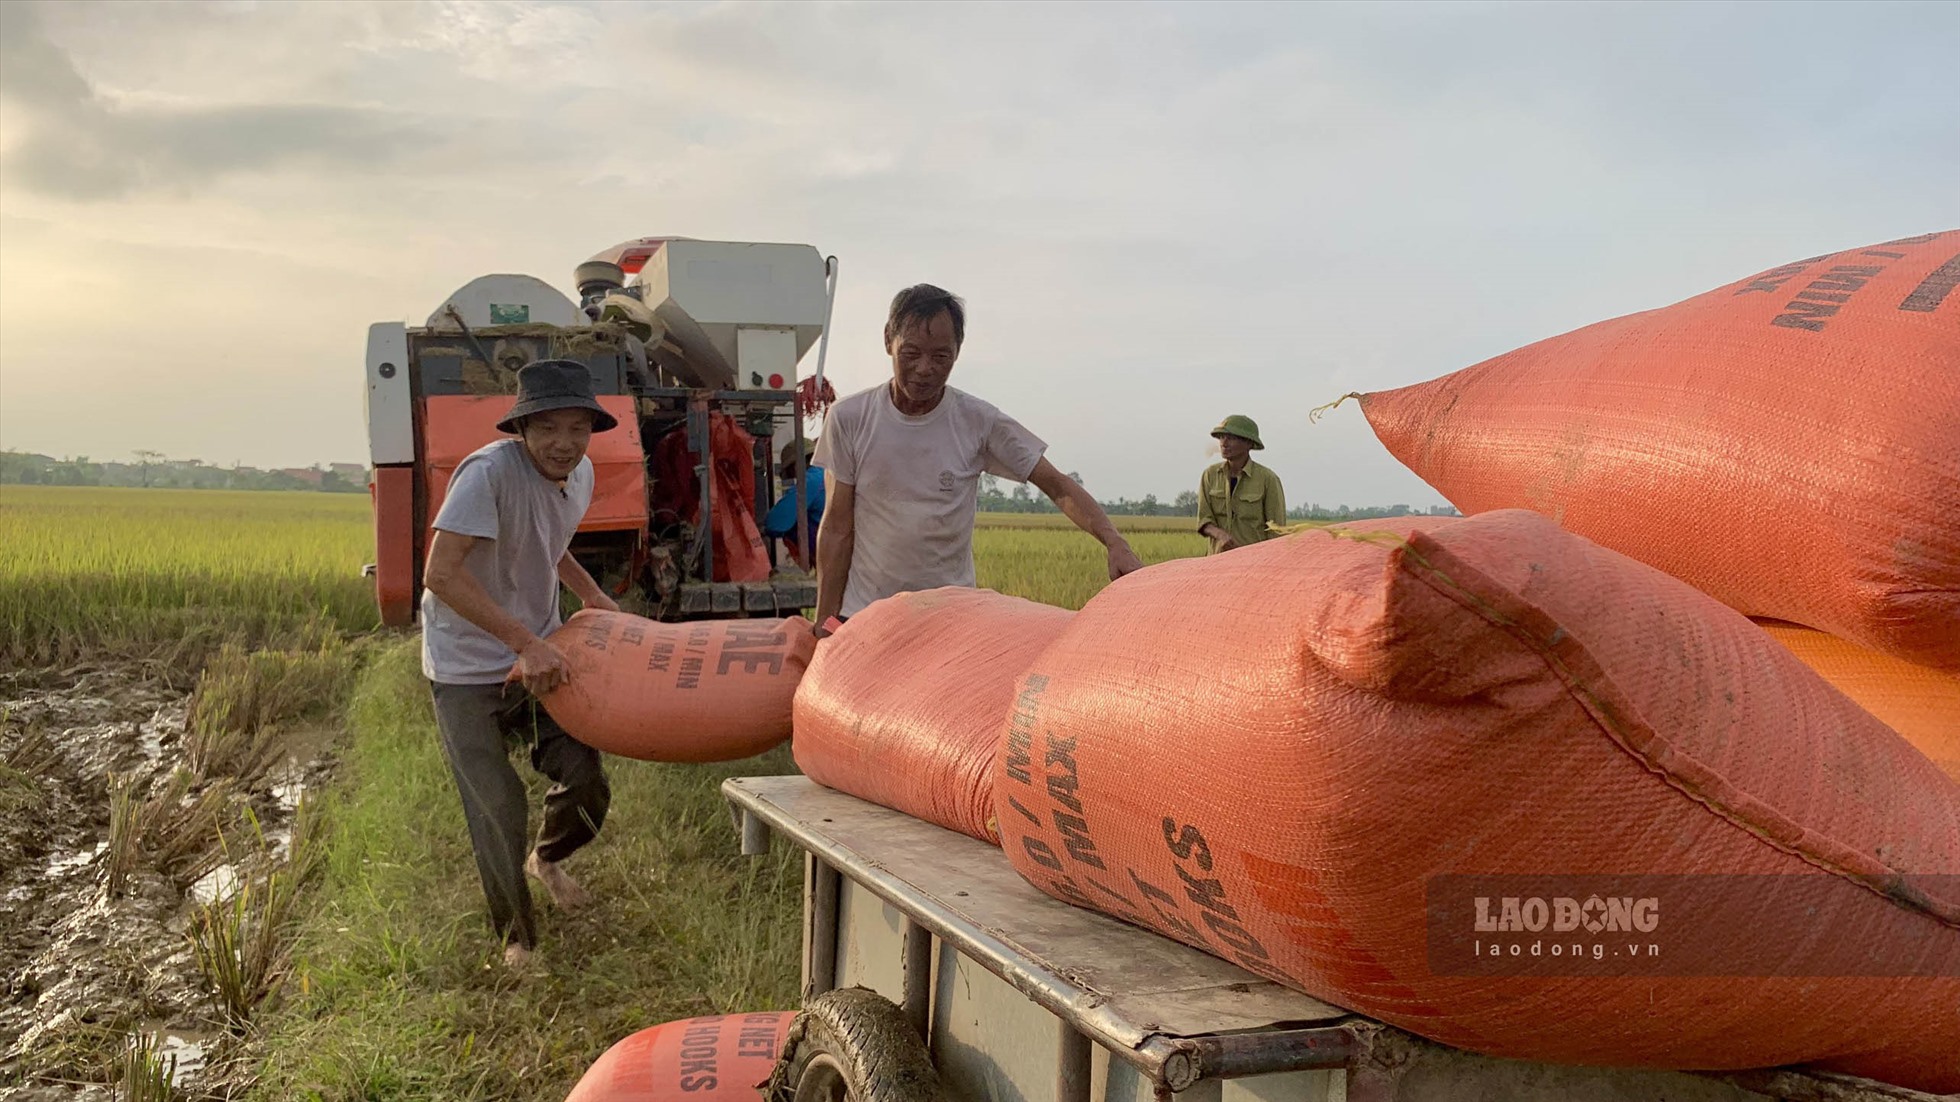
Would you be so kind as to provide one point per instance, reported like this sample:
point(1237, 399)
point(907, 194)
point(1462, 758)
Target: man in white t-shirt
point(904, 461)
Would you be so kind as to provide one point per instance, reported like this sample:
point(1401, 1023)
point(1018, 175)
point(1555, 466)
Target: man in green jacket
point(1238, 498)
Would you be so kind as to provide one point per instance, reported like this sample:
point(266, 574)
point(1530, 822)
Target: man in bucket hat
point(500, 552)
point(1238, 498)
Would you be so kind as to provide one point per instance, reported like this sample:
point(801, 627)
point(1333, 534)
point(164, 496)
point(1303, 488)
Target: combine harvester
point(698, 353)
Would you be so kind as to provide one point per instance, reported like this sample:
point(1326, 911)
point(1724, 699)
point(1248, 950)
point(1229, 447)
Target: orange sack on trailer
point(710, 690)
point(1361, 761)
point(904, 706)
point(718, 1059)
point(1922, 705)
point(1789, 443)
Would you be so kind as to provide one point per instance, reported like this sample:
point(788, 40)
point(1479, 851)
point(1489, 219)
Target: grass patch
point(397, 992)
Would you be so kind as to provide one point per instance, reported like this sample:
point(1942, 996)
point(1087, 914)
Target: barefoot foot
point(562, 889)
point(517, 958)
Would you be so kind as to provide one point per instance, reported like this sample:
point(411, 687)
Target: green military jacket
point(1245, 508)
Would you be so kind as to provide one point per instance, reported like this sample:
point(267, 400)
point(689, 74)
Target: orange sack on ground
point(710, 690)
point(1922, 705)
point(719, 1059)
point(1362, 761)
point(904, 706)
point(1789, 443)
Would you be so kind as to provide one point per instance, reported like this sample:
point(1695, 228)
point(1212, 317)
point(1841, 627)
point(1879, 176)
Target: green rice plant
point(23, 765)
point(174, 573)
point(243, 943)
point(245, 701)
point(183, 833)
point(125, 833)
point(1178, 523)
point(1063, 566)
point(144, 1073)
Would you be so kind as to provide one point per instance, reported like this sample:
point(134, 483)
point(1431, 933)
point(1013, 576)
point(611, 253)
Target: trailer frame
point(987, 968)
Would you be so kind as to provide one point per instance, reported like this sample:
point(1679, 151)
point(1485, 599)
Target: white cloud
point(1158, 214)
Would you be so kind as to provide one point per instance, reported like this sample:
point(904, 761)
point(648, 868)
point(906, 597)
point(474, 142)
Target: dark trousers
point(478, 723)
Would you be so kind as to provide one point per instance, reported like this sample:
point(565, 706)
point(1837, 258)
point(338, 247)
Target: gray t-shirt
point(917, 480)
point(498, 495)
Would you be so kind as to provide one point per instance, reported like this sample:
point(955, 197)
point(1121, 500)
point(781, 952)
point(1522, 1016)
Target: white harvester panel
point(508, 300)
point(390, 403)
point(739, 315)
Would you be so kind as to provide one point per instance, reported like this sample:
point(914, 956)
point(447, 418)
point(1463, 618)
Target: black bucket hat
point(545, 385)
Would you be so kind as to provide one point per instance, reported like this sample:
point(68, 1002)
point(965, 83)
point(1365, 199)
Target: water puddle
point(187, 1051)
point(220, 883)
point(75, 862)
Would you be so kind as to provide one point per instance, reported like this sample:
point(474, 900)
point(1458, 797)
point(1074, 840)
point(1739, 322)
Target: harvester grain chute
point(693, 345)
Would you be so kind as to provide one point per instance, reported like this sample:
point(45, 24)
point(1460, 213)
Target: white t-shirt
point(917, 480)
point(499, 496)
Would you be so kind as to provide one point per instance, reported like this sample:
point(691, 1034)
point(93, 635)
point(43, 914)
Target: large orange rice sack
point(709, 690)
point(904, 705)
point(1490, 782)
point(1789, 443)
point(718, 1059)
point(1921, 704)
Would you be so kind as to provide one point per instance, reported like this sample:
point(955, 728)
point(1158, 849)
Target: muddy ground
point(82, 973)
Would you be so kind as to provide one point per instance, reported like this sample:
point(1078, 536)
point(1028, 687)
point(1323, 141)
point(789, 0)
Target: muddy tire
point(853, 1045)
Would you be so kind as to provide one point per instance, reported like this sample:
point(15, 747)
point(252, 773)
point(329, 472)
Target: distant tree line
point(151, 469)
point(1025, 499)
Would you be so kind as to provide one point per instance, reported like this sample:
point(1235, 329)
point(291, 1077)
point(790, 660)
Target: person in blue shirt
point(780, 523)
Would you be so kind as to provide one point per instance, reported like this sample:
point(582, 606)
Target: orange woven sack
point(1492, 783)
point(1789, 444)
point(904, 705)
point(719, 1059)
point(712, 690)
point(1922, 705)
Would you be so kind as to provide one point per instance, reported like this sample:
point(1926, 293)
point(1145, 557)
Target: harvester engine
point(692, 345)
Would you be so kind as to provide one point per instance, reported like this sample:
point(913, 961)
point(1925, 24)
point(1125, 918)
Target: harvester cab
point(692, 345)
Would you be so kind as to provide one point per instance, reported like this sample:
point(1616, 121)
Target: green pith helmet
point(1240, 425)
point(789, 453)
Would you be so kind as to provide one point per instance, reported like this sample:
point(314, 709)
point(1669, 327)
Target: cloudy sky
point(1158, 214)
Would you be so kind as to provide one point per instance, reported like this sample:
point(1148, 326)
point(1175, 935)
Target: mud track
point(81, 973)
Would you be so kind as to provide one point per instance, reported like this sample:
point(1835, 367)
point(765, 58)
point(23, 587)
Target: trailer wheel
point(853, 1045)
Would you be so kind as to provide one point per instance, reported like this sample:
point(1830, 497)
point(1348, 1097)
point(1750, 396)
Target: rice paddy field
point(93, 571)
point(357, 965)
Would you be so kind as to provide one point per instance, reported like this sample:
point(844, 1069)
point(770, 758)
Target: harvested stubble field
point(381, 975)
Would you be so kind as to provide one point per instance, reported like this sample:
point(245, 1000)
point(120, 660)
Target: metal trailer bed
point(1023, 998)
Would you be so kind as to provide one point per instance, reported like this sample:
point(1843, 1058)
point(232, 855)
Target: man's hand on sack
point(541, 667)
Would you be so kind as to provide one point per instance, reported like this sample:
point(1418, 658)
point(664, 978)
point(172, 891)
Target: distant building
point(310, 475)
